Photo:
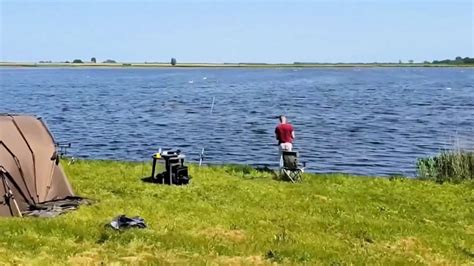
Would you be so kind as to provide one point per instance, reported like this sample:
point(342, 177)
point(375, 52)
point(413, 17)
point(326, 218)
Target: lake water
point(374, 121)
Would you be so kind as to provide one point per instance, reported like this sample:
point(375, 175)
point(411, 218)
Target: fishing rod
point(201, 156)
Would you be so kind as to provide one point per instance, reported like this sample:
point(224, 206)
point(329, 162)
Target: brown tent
point(29, 166)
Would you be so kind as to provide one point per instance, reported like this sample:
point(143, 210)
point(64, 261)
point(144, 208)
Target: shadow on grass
point(467, 252)
point(148, 179)
point(252, 172)
point(266, 169)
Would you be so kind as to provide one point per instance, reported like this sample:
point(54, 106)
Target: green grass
point(237, 215)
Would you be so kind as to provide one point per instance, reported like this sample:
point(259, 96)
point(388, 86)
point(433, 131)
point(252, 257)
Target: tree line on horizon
point(94, 60)
point(79, 61)
point(457, 61)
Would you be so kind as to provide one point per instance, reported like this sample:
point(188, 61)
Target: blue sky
point(236, 31)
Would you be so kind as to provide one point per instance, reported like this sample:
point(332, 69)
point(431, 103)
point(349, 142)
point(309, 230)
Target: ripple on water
point(369, 121)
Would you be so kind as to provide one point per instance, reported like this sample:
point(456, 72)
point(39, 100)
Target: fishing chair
point(291, 169)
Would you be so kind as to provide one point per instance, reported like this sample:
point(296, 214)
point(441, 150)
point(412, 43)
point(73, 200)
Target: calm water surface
point(374, 121)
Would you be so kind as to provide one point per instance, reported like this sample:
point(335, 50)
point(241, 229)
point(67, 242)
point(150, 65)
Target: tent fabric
point(29, 165)
point(55, 207)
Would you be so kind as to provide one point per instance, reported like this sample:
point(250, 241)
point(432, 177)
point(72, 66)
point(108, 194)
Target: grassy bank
point(236, 215)
point(229, 65)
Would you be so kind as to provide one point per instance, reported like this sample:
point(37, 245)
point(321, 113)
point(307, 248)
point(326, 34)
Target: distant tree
point(109, 61)
point(173, 61)
point(458, 58)
point(410, 61)
point(426, 62)
point(400, 62)
point(77, 61)
point(468, 60)
point(67, 62)
point(93, 60)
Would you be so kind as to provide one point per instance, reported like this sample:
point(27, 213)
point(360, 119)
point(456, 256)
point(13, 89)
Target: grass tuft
point(449, 166)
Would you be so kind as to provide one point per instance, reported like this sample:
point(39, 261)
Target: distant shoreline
point(229, 65)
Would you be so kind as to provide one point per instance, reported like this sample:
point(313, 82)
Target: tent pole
point(9, 193)
point(31, 151)
point(17, 162)
point(48, 188)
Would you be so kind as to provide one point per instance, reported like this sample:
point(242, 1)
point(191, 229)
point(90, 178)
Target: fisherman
point(285, 135)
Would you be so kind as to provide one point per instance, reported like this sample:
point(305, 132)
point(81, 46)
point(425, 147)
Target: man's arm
point(293, 134)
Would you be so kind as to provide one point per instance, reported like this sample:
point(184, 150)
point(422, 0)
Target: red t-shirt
point(283, 133)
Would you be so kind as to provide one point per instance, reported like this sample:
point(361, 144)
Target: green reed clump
point(448, 166)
